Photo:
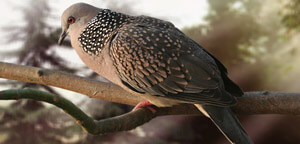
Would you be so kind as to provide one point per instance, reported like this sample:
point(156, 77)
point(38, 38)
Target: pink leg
point(146, 104)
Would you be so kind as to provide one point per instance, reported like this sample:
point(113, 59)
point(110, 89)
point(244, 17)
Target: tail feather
point(227, 123)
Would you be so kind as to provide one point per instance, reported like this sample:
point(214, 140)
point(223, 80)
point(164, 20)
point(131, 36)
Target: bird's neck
point(99, 30)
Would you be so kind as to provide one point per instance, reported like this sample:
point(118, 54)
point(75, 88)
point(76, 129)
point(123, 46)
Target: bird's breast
point(101, 64)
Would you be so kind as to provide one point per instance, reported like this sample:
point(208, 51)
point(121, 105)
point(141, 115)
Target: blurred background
point(258, 41)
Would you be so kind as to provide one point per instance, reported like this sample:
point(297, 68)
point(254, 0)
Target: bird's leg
point(146, 104)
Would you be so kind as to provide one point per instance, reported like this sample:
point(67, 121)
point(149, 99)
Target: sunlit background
point(258, 41)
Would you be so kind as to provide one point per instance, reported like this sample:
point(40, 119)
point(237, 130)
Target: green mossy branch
point(120, 123)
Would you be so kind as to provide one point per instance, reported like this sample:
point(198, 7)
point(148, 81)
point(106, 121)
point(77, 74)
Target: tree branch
point(136, 118)
point(252, 103)
point(91, 88)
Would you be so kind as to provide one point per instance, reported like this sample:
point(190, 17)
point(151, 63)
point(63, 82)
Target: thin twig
point(120, 123)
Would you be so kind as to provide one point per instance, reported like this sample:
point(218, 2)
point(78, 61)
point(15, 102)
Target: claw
point(145, 104)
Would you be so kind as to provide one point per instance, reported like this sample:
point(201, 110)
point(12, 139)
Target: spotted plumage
point(99, 31)
point(152, 56)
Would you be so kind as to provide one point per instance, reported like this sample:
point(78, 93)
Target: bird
point(150, 57)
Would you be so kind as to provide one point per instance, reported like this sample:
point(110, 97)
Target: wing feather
point(164, 62)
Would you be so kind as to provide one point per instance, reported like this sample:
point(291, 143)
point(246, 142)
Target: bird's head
point(75, 17)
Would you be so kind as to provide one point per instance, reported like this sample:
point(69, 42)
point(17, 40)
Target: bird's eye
point(71, 20)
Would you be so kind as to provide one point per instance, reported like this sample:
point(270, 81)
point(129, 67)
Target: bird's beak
point(62, 37)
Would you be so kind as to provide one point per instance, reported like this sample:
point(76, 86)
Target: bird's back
point(153, 56)
point(230, 86)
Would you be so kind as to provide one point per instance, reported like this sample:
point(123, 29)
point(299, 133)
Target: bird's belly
point(161, 101)
point(103, 65)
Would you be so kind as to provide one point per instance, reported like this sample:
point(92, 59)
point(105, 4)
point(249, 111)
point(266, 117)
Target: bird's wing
point(164, 62)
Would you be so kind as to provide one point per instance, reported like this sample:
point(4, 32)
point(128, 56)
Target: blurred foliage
point(230, 23)
point(38, 38)
point(291, 14)
point(258, 41)
point(32, 123)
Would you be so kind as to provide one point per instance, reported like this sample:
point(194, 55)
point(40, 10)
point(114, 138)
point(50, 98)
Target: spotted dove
point(151, 58)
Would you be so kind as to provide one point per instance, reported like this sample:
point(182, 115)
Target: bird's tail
point(227, 123)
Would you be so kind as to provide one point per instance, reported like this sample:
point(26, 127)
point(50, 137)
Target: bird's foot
point(145, 104)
